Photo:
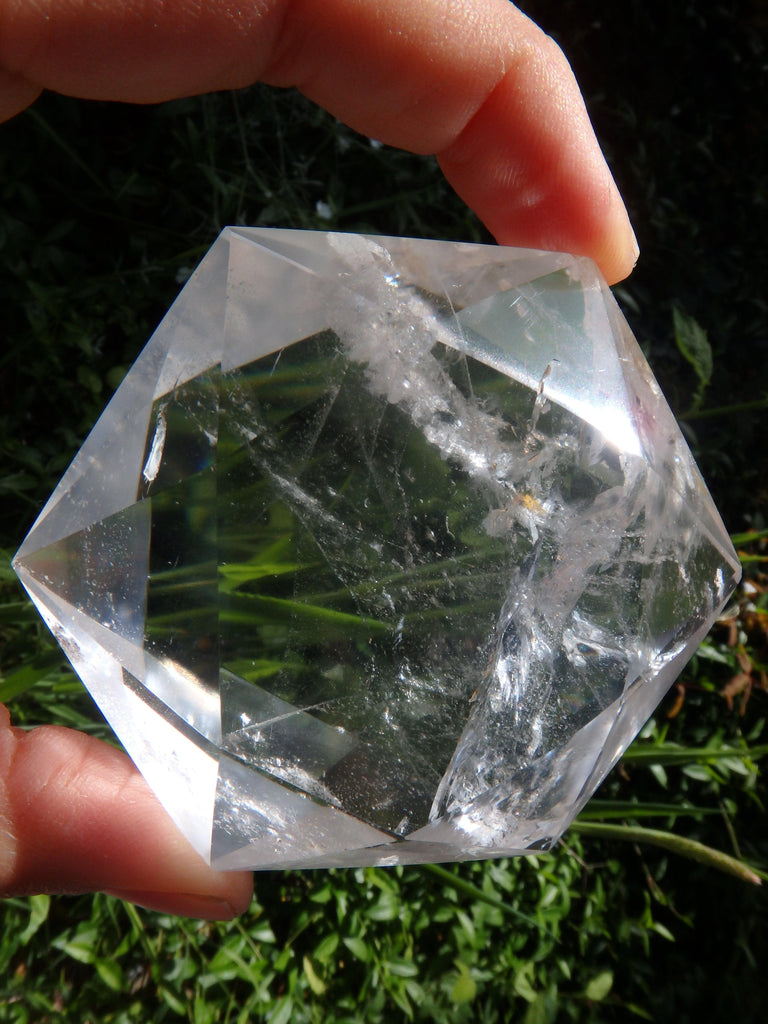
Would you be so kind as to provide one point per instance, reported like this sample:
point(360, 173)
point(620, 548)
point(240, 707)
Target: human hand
point(76, 816)
point(472, 81)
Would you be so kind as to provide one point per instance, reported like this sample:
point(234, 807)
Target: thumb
point(76, 816)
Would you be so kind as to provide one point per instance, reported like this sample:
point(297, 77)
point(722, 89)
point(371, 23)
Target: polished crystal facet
point(382, 553)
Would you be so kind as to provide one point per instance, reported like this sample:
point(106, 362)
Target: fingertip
point(16, 94)
point(76, 816)
point(231, 897)
point(622, 252)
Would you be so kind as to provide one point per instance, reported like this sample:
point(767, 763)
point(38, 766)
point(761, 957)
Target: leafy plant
point(693, 345)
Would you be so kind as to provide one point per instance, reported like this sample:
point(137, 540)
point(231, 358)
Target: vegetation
point(615, 922)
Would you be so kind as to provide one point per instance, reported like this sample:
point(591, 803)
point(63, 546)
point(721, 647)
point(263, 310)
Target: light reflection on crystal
point(395, 545)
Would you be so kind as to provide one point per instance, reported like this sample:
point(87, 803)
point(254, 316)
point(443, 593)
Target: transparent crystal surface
point(383, 552)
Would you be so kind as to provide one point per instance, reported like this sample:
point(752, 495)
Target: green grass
point(608, 926)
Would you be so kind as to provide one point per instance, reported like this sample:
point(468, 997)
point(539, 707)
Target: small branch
point(689, 848)
point(724, 410)
point(476, 893)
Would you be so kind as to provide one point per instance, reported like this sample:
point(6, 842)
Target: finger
point(473, 81)
point(16, 93)
point(75, 816)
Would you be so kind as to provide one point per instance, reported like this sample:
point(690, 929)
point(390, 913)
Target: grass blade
point(680, 845)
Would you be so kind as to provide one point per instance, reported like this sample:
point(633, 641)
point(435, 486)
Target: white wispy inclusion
point(384, 551)
point(152, 465)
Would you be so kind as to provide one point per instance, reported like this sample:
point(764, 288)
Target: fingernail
point(635, 248)
point(631, 249)
point(180, 904)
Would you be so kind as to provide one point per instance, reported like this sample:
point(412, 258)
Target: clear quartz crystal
point(383, 552)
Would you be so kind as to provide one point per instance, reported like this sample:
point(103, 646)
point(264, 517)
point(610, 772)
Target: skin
point(474, 82)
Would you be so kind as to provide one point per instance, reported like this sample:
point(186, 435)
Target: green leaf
point(748, 537)
point(283, 1013)
point(693, 345)
point(263, 933)
point(316, 983)
point(697, 771)
point(386, 908)
point(599, 987)
point(604, 810)
point(464, 988)
point(16, 613)
point(543, 1010)
point(324, 895)
point(7, 575)
point(736, 765)
point(24, 678)
point(233, 576)
point(173, 1001)
point(257, 607)
point(638, 1011)
point(402, 968)
point(111, 973)
point(523, 987)
point(203, 1012)
point(327, 947)
point(283, 959)
point(82, 948)
point(16, 483)
point(710, 653)
point(663, 931)
point(358, 948)
point(38, 914)
point(670, 753)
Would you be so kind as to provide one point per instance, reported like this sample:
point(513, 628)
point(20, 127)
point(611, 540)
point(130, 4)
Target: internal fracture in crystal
point(383, 552)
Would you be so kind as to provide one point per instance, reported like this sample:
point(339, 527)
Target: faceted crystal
point(382, 553)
